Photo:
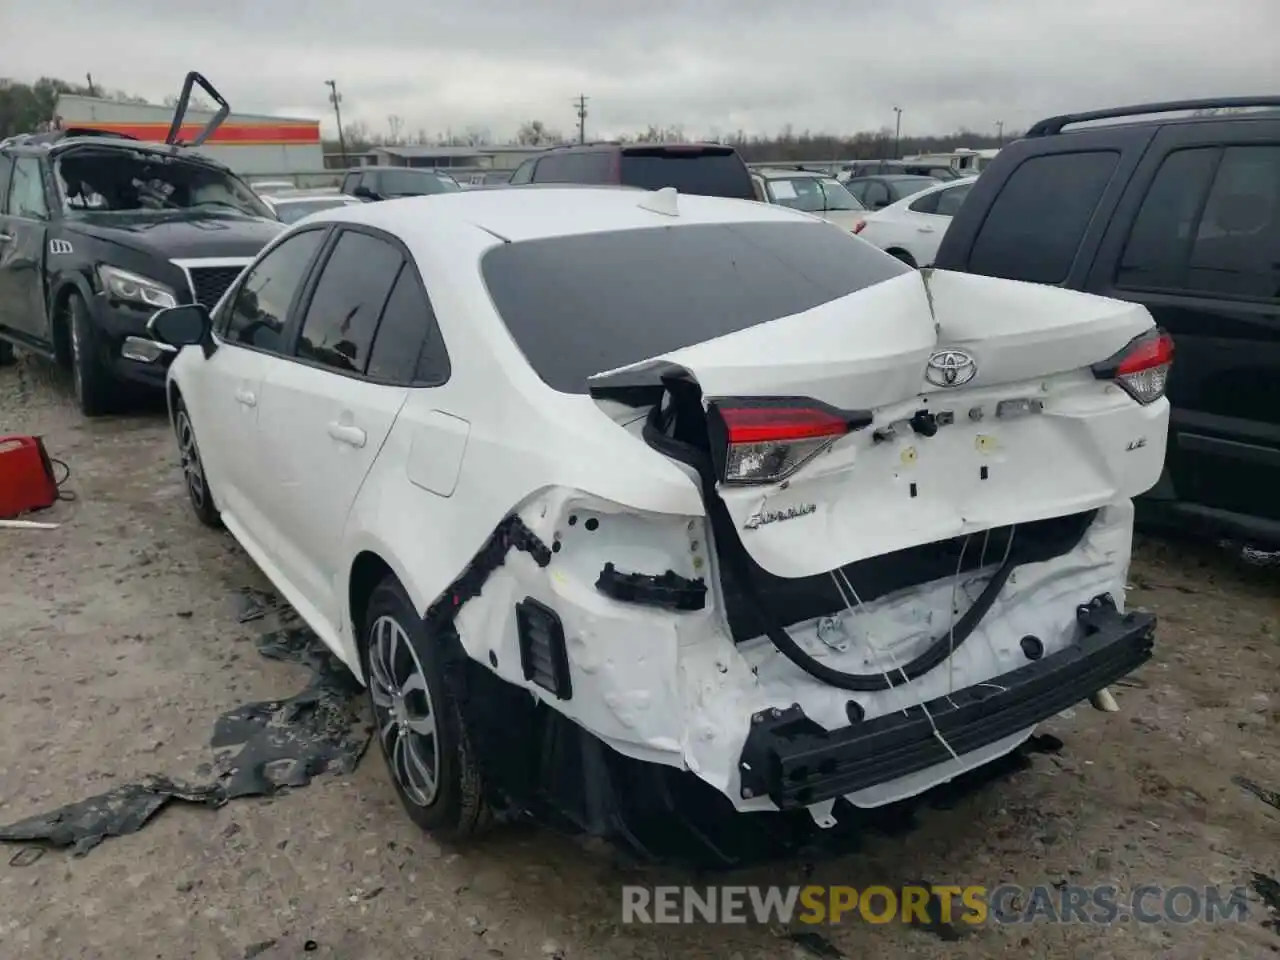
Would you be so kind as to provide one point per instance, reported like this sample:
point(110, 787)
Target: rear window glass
point(712, 174)
point(1034, 228)
point(581, 305)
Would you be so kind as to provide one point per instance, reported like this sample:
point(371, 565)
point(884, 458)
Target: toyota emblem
point(950, 368)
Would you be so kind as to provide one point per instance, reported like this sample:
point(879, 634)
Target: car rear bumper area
point(796, 763)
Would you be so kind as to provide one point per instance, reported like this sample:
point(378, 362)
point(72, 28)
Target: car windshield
point(291, 211)
point(406, 183)
point(118, 181)
point(907, 186)
point(838, 198)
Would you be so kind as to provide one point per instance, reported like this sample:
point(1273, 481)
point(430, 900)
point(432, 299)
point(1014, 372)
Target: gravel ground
point(121, 633)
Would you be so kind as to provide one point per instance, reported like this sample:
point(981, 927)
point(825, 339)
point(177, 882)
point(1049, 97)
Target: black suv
point(709, 169)
point(1181, 215)
point(99, 232)
point(388, 183)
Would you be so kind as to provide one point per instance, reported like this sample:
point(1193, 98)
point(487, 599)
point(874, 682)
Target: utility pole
point(897, 130)
point(336, 98)
point(999, 133)
point(395, 123)
point(93, 91)
point(581, 104)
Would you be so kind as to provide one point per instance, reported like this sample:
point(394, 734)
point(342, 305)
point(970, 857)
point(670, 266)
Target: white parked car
point(912, 229)
point(292, 207)
point(811, 192)
point(610, 495)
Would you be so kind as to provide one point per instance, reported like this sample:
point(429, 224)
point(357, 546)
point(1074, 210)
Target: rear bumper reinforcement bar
point(796, 762)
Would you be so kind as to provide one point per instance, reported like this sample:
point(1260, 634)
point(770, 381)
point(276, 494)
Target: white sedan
point(611, 496)
point(912, 229)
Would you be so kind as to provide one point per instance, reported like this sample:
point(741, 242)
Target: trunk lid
point(1026, 433)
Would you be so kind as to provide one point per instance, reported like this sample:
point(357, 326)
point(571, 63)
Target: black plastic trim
point(552, 675)
point(668, 590)
point(795, 762)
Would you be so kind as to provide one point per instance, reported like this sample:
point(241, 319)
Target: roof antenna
point(661, 201)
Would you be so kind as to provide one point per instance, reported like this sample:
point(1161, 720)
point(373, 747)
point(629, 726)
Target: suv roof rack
point(1054, 125)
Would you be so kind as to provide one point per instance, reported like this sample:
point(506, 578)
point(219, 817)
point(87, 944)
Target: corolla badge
point(762, 517)
point(950, 368)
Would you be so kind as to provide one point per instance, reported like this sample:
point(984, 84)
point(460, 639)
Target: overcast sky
point(711, 66)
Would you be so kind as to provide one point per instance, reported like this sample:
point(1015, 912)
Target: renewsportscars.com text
point(1005, 904)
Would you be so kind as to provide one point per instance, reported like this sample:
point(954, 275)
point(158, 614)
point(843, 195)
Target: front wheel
point(7, 356)
point(420, 729)
point(193, 469)
point(91, 379)
point(905, 257)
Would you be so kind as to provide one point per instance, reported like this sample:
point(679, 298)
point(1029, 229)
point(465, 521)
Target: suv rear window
point(708, 171)
point(584, 304)
point(1034, 228)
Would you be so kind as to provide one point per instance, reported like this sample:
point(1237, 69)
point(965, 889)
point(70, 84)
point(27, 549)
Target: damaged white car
point(625, 505)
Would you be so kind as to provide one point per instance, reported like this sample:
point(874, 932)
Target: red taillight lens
point(1142, 367)
point(859, 226)
point(765, 440)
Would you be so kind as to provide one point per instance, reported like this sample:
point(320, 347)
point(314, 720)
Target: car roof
point(54, 144)
point(782, 173)
point(894, 176)
point(1147, 114)
point(516, 215)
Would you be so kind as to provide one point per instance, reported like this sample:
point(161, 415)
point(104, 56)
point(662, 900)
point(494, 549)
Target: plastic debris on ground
point(259, 749)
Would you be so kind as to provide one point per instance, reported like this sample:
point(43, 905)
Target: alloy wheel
point(404, 711)
point(192, 470)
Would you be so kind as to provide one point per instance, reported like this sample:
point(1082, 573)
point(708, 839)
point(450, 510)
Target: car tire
point(193, 475)
point(7, 357)
point(905, 257)
point(418, 723)
point(91, 381)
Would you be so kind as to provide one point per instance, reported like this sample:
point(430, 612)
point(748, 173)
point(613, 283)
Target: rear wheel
point(905, 257)
point(193, 468)
point(91, 380)
point(6, 354)
point(420, 729)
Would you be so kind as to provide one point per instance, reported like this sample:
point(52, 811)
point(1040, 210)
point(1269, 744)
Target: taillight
point(1142, 367)
point(859, 226)
point(765, 440)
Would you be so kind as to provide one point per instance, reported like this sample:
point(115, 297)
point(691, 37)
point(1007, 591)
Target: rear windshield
point(581, 305)
point(404, 182)
point(711, 173)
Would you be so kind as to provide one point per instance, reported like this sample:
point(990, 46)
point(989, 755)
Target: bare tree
point(535, 134)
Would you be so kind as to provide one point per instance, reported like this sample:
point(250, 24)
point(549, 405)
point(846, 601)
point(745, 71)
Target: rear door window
point(408, 347)
point(577, 305)
point(1036, 224)
point(342, 316)
point(713, 172)
point(1209, 224)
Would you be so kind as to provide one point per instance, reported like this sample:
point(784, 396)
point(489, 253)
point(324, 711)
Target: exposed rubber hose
point(731, 551)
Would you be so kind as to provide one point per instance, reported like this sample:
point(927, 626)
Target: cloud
point(705, 65)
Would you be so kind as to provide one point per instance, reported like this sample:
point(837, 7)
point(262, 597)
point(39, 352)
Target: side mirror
point(364, 193)
point(186, 325)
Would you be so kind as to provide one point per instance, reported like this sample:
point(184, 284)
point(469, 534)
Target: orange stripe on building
point(229, 134)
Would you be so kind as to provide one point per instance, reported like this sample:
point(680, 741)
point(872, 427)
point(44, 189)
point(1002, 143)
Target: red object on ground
point(26, 477)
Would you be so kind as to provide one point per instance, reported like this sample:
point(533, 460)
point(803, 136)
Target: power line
point(581, 104)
